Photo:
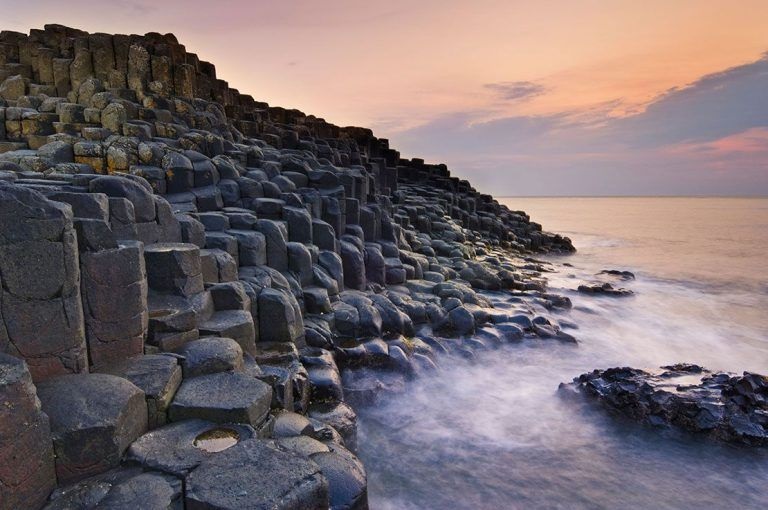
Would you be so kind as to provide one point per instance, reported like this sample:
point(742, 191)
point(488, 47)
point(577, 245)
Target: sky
point(569, 97)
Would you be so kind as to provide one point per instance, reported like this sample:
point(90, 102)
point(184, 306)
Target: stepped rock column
point(40, 308)
point(114, 288)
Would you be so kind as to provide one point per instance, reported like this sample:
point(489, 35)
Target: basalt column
point(40, 307)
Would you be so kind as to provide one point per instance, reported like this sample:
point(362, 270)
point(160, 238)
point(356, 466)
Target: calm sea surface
point(495, 435)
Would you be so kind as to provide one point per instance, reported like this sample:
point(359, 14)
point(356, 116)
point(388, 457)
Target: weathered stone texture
point(42, 316)
point(27, 472)
point(114, 290)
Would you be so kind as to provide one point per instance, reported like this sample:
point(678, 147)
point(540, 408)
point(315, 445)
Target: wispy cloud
point(516, 90)
point(675, 143)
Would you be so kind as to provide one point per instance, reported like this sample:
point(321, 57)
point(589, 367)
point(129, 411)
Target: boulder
point(211, 355)
point(687, 397)
point(347, 480)
point(13, 88)
point(354, 266)
point(139, 193)
point(278, 317)
point(604, 289)
point(340, 416)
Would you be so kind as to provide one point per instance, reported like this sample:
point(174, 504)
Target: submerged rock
point(604, 289)
point(623, 275)
point(724, 406)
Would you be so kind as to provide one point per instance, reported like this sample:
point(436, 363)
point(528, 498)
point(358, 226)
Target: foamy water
point(495, 434)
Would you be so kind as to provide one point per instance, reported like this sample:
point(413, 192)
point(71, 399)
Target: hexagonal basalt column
point(114, 291)
point(157, 375)
point(256, 474)
point(42, 315)
point(94, 418)
point(222, 397)
point(178, 448)
point(174, 268)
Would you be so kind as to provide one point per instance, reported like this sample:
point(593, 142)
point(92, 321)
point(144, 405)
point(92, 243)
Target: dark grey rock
point(278, 317)
point(114, 293)
point(347, 480)
point(42, 309)
point(211, 355)
point(178, 448)
point(121, 488)
point(256, 475)
point(235, 324)
point(289, 424)
point(354, 266)
point(300, 263)
point(604, 289)
point(174, 267)
point(251, 246)
point(300, 226)
point(333, 264)
point(222, 397)
point(340, 416)
point(158, 376)
point(277, 254)
point(27, 471)
point(462, 320)
point(122, 187)
point(723, 406)
point(94, 418)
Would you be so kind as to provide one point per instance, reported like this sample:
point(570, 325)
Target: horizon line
point(632, 196)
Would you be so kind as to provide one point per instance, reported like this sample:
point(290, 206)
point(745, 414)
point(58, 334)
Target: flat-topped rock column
point(115, 302)
point(174, 268)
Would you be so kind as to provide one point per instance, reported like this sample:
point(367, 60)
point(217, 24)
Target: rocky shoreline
point(195, 284)
point(726, 407)
point(199, 288)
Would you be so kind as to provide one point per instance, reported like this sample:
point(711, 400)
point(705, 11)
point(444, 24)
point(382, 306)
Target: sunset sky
point(546, 98)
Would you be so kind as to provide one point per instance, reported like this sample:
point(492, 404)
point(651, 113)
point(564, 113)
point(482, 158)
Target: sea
point(494, 433)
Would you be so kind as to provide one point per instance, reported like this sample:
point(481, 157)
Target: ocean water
point(494, 434)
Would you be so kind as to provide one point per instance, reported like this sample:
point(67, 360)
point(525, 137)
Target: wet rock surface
point(120, 488)
point(604, 289)
point(257, 474)
point(727, 407)
point(178, 448)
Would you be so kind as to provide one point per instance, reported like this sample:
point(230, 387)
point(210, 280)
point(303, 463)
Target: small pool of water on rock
point(217, 440)
point(496, 434)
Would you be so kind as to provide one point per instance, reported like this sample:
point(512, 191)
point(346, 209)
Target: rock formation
point(179, 261)
point(728, 407)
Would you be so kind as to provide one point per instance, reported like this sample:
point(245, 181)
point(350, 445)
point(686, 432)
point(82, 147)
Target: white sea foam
point(495, 433)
